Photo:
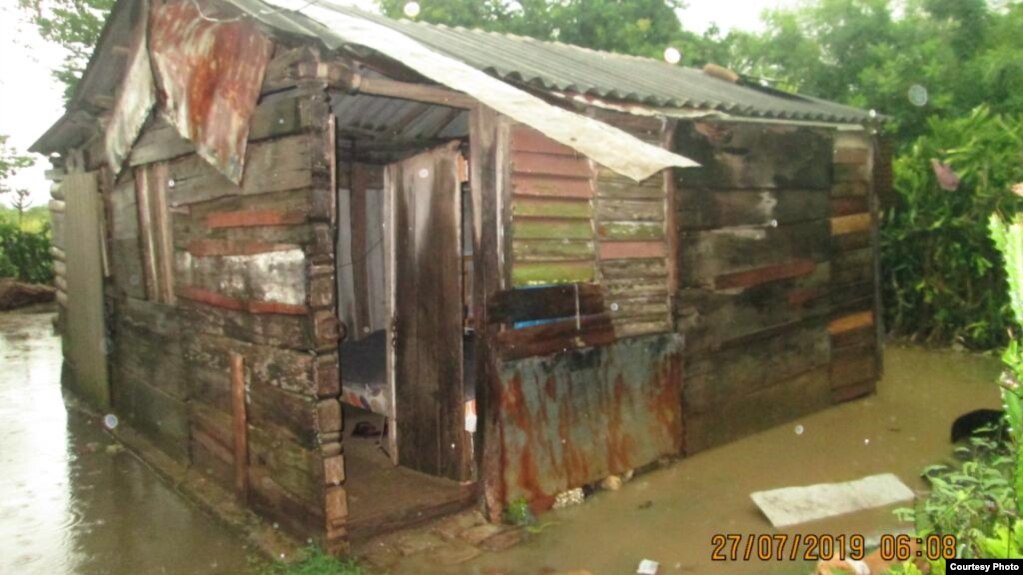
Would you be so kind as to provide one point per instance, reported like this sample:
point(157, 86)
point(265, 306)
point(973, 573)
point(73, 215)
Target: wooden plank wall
point(253, 274)
point(551, 235)
point(755, 272)
point(633, 239)
point(855, 363)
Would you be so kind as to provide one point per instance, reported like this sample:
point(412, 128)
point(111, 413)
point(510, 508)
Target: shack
point(366, 271)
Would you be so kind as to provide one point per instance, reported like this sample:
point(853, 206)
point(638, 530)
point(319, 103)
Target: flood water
point(670, 515)
point(71, 505)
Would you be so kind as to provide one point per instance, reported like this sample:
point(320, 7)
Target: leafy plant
point(940, 267)
point(25, 255)
point(314, 562)
point(970, 499)
point(519, 514)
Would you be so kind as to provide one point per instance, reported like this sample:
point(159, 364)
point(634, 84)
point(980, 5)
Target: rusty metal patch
point(574, 418)
point(136, 100)
point(209, 74)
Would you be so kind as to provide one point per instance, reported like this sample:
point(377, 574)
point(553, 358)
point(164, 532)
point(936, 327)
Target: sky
point(30, 99)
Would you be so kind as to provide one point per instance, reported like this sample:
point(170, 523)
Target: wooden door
point(426, 327)
point(86, 338)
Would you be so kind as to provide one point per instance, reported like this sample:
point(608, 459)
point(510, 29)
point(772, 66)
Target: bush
point(941, 275)
point(25, 255)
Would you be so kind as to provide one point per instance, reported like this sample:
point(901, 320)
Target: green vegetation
point(980, 500)
point(314, 562)
point(940, 271)
point(74, 25)
point(25, 255)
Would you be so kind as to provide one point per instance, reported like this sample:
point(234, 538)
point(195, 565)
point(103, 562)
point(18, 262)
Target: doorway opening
point(404, 253)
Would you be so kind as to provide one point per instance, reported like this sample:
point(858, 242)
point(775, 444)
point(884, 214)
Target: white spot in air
point(452, 446)
point(672, 55)
point(275, 527)
point(873, 113)
point(423, 172)
point(774, 223)
point(110, 421)
point(866, 442)
point(614, 307)
point(412, 9)
point(170, 183)
point(917, 95)
point(799, 430)
point(365, 329)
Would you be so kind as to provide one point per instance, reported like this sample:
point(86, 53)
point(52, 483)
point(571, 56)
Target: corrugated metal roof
point(567, 68)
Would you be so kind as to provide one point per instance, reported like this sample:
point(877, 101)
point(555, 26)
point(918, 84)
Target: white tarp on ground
point(795, 505)
point(602, 143)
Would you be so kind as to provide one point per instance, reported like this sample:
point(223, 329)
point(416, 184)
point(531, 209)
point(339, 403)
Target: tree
point(74, 25)
point(10, 162)
point(638, 27)
point(21, 203)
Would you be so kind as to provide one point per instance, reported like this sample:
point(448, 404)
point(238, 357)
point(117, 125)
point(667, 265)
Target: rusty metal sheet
point(136, 99)
point(574, 418)
point(210, 74)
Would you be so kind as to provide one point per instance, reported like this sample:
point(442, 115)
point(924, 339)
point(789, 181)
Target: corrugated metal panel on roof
point(556, 66)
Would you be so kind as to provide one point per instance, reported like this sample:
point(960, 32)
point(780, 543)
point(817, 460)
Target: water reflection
point(71, 501)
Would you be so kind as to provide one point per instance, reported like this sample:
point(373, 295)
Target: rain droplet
point(672, 55)
point(799, 430)
point(423, 172)
point(917, 95)
point(614, 306)
point(275, 527)
point(170, 183)
point(110, 421)
point(866, 442)
point(872, 113)
point(774, 223)
point(411, 9)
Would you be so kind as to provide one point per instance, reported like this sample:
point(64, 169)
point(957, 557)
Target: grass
point(314, 562)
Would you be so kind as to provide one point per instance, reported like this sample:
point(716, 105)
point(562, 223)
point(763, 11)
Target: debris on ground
point(15, 294)
point(648, 567)
point(794, 505)
point(569, 498)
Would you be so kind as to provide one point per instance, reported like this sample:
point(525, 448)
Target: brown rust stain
point(665, 401)
point(619, 442)
point(209, 76)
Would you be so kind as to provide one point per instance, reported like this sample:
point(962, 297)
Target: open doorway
point(402, 259)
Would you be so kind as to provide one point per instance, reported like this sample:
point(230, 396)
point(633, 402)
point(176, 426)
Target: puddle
point(71, 506)
point(670, 515)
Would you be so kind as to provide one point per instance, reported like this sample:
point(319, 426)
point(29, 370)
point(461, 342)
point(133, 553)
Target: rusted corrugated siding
point(135, 100)
point(551, 212)
point(210, 74)
point(575, 418)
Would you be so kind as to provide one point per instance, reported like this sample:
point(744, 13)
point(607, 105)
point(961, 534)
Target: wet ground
point(71, 501)
point(670, 515)
point(70, 504)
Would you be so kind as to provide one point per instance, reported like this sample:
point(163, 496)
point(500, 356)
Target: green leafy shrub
point(968, 500)
point(25, 255)
point(313, 562)
point(941, 277)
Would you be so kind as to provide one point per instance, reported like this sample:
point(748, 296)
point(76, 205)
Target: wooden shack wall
point(595, 388)
point(775, 275)
point(252, 274)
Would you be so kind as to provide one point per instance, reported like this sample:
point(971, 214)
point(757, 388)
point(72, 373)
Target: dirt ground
point(72, 502)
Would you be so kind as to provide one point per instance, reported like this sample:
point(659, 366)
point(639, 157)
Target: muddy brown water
point(670, 515)
point(70, 506)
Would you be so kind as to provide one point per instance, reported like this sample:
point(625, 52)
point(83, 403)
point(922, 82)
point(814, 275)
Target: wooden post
point(241, 437)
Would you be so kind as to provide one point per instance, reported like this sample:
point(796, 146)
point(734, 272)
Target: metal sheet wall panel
point(210, 74)
point(574, 418)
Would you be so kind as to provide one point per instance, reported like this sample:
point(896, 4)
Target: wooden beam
point(241, 436)
point(409, 91)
